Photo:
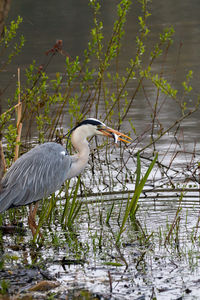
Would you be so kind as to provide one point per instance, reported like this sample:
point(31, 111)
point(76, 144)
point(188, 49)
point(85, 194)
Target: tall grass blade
point(132, 205)
point(71, 208)
point(138, 170)
point(109, 213)
point(66, 208)
point(44, 209)
point(73, 205)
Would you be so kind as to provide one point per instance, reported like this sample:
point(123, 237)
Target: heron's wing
point(34, 175)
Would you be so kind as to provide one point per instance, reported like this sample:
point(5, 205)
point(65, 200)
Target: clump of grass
point(4, 286)
point(72, 207)
point(132, 203)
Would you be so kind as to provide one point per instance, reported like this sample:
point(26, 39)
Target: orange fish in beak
point(107, 131)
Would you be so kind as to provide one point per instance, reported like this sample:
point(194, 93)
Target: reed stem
point(19, 116)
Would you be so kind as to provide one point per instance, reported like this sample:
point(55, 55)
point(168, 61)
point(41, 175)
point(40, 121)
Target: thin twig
point(2, 162)
point(19, 123)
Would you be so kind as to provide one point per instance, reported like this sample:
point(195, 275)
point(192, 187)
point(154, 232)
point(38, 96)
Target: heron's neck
point(80, 159)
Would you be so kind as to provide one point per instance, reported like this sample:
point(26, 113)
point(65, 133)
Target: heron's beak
point(107, 131)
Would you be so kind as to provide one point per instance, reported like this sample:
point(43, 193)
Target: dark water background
point(71, 21)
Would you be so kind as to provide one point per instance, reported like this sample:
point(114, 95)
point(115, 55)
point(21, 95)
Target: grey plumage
point(35, 175)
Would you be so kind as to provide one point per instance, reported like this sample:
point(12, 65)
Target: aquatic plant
point(132, 203)
point(4, 286)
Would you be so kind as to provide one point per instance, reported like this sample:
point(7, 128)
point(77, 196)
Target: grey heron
point(42, 170)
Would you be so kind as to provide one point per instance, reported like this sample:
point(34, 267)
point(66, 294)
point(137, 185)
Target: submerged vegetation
point(44, 108)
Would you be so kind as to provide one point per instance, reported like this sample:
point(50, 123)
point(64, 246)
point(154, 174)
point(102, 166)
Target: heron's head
point(91, 127)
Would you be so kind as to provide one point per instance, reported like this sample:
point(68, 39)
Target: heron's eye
point(99, 127)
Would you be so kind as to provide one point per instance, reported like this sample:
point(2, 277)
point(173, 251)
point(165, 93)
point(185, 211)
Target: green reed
point(72, 207)
point(132, 203)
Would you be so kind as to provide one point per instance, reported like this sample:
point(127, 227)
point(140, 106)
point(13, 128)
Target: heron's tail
point(10, 198)
point(6, 199)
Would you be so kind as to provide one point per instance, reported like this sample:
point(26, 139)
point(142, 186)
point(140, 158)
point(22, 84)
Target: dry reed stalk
point(14, 107)
point(19, 123)
point(2, 162)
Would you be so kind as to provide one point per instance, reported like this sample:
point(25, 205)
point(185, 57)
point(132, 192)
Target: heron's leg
point(34, 211)
point(31, 218)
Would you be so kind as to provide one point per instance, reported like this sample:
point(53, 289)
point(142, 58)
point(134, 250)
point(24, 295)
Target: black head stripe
point(90, 121)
